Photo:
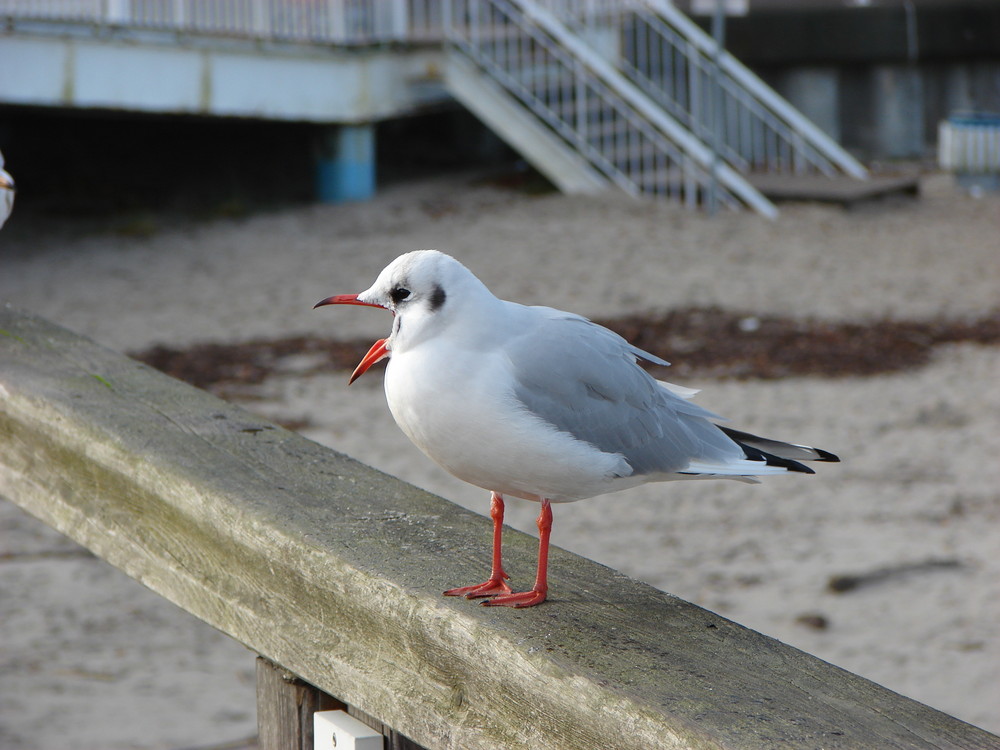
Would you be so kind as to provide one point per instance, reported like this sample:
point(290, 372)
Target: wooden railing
point(334, 571)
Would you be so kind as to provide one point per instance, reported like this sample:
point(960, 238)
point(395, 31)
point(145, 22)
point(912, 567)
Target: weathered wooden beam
point(334, 571)
point(285, 708)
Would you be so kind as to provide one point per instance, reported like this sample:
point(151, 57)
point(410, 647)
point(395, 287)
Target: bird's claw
point(519, 600)
point(492, 587)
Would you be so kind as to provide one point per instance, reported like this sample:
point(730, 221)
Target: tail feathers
point(776, 453)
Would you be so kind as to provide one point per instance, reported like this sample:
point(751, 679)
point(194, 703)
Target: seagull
point(6, 193)
point(539, 404)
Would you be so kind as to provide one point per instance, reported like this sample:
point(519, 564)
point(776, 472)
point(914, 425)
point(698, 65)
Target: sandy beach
point(911, 517)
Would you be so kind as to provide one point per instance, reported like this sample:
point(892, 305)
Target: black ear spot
point(437, 298)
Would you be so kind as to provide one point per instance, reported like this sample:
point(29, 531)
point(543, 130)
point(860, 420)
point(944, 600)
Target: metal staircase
point(626, 93)
point(594, 93)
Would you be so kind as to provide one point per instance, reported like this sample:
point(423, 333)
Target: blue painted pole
point(345, 167)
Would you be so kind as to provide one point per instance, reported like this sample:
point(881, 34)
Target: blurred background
point(797, 199)
point(225, 104)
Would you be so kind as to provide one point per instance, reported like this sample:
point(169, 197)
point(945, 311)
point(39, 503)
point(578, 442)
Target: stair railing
point(673, 61)
point(582, 98)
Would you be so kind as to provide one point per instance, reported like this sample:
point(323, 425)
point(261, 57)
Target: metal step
point(841, 189)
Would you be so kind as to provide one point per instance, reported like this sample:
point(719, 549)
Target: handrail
point(690, 146)
point(742, 75)
point(748, 102)
point(334, 571)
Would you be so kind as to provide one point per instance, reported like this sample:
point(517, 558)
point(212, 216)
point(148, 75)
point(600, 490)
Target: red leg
point(541, 587)
point(496, 584)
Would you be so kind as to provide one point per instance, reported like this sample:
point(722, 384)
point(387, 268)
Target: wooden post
point(285, 708)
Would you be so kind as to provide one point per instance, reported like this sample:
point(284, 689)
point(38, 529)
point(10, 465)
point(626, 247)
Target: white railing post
point(117, 12)
point(335, 27)
point(260, 19)
point(399, 23)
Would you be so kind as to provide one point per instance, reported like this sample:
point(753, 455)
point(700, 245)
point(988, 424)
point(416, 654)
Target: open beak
point(379, 350)
point(377, 353)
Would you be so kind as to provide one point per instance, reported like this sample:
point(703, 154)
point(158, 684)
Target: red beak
point(344, 299)
point(375, 354)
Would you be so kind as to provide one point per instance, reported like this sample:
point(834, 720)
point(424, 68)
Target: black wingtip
point(755, 454)
point(778, 449)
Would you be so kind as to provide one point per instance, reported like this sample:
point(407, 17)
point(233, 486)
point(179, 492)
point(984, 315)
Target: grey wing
point(584, 379)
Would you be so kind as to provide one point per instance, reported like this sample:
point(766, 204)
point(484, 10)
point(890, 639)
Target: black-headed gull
point(539, 404)
point(6, 193)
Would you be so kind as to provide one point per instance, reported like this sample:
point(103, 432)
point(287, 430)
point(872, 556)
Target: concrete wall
point(878, 79)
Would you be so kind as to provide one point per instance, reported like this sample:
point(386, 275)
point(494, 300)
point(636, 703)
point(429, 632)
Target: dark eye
point(399, 294)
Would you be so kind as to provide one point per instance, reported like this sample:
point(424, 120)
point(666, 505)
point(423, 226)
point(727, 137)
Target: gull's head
point(415, 284)
point(424, 290)
point(6, 193)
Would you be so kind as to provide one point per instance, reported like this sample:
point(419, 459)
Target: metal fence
point(316, 21)
point(970, 143)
